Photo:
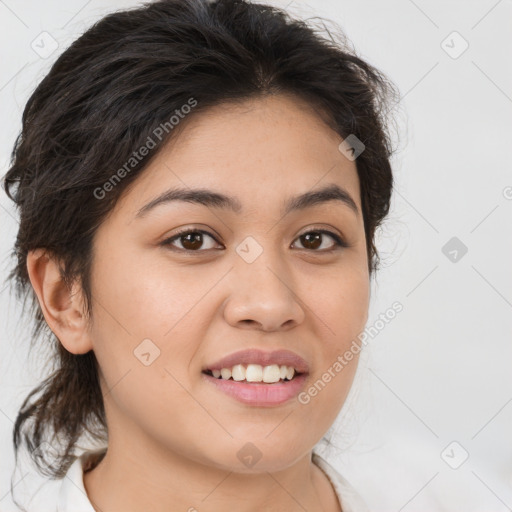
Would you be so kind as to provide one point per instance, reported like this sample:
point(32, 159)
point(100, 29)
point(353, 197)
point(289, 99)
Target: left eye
point(191, 240)
point(313, 240)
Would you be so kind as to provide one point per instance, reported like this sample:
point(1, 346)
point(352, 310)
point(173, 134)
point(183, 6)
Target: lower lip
point(257, 394)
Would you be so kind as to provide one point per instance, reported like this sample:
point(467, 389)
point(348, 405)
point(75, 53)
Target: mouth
point(258, 378)
point(255, 373)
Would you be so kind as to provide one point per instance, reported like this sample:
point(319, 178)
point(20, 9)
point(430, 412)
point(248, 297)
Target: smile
point(255, 373)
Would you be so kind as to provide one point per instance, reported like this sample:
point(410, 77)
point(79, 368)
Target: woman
point(199, 185)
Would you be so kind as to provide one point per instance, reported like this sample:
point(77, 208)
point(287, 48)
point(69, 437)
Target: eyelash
point(339, 242)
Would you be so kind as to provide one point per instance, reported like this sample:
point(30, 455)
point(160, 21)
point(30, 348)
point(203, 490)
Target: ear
point(63, 309)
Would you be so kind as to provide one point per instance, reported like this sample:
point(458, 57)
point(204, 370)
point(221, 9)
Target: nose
point(263, 296)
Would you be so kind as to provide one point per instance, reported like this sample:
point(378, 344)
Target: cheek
point(139, 309)
point(144, 320)
point(348, 307)
point(143, 296)
point(341, 307)
point(339, 302)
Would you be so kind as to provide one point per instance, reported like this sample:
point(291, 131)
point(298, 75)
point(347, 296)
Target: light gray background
point(441, 370)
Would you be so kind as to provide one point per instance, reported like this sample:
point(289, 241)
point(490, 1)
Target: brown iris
point(192, 240)
point(313, 240)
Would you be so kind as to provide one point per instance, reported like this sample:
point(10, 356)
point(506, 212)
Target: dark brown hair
point(125, 77)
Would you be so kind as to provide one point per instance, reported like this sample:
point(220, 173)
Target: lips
point(261, 357)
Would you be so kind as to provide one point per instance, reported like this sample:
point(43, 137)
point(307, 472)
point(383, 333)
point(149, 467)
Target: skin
point(174, 438)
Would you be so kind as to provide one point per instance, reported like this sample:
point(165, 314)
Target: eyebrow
point(212, 199)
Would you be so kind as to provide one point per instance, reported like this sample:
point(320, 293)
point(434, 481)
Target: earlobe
point(63, 308)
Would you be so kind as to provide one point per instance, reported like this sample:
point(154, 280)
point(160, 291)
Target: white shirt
point(73, 497)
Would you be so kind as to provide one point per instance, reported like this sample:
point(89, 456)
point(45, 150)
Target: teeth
point(256, 373)
point(225, 373)
point(272, 373)
point(238, 372)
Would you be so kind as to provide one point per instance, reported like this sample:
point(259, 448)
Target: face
point(167, 307)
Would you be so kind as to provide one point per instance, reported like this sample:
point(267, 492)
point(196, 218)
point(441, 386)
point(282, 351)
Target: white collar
point(73, 497)
point(350, 499)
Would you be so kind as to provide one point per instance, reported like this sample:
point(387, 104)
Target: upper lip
point(263, 358)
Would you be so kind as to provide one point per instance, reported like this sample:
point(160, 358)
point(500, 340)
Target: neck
point(159, 480)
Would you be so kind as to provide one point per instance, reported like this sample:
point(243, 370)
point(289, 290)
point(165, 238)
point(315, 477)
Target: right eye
point(190, 239)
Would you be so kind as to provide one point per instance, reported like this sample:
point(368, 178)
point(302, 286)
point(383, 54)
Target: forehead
point(259, 150)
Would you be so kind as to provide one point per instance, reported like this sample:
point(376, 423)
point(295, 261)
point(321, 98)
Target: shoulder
point(350, 499)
